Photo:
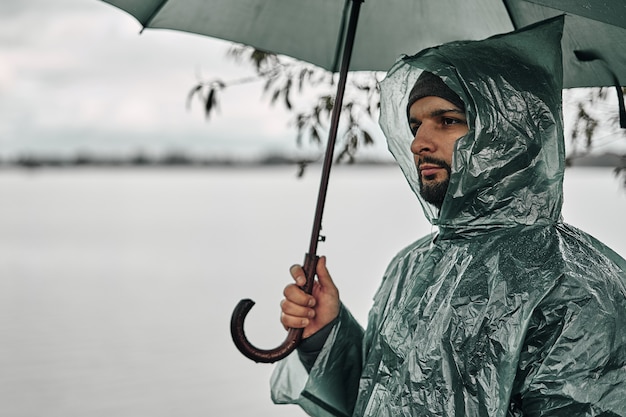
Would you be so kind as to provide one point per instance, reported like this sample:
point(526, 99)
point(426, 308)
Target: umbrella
point(315, 30)
point(324, 33)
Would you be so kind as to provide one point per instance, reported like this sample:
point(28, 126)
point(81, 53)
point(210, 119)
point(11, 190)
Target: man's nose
point(422, 141)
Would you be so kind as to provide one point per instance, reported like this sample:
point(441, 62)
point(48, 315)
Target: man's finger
point(297, 273)
point(294, 294)
point(293, 322)
point(296, 310)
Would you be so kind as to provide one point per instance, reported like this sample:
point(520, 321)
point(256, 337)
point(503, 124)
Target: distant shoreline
point(171, 160)
point(174, 160)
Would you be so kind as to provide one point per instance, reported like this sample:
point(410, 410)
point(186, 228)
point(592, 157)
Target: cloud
point(77, 74)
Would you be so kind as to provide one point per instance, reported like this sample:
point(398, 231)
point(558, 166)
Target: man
point(506, 311)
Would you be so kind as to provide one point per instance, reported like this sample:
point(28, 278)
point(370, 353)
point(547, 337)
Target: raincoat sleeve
point(330, 389)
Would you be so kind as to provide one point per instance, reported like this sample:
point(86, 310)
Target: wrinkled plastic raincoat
point(507, 311)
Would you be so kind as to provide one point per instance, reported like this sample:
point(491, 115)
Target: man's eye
point(414, 128)
point(450, 121)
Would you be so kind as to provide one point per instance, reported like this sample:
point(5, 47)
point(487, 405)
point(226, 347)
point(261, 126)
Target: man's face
point(436, 125)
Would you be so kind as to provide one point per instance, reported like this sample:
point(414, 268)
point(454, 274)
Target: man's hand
point(310, 312)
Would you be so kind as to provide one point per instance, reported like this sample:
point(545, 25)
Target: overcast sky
point(75, 75)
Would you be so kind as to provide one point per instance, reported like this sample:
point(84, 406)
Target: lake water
point(116, 287)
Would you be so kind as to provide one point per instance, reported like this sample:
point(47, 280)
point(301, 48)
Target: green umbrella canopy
point(314, 30)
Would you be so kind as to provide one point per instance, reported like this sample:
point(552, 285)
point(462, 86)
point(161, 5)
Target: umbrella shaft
point(334, 124)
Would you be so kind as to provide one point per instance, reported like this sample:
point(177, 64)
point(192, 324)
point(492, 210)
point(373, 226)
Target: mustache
point(433, 161)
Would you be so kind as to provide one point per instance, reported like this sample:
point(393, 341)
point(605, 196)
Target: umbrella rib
point(153, 15)
point(511, 16)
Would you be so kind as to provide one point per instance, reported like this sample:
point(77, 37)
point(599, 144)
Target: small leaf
point(305, 75)
point(300, 120)
point(329, 104)
point(209, 103)
point(196, 90)
point(258, 57)
point(341, 155)
point(275, 96)
point(315, 137)
point(302, 165)
point(354, 141)
point(316, 114)
point(286, 93)
point(287, 102)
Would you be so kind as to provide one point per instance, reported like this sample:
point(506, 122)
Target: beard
point(434, 192)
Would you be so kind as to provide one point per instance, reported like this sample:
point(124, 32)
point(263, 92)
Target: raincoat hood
point(508, 169)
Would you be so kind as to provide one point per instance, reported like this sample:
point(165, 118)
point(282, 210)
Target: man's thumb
point(323, 275)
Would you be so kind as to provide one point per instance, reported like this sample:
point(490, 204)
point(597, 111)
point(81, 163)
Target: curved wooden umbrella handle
point(294, 336)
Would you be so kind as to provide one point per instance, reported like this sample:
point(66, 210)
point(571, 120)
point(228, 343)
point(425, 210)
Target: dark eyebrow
point(439, 112)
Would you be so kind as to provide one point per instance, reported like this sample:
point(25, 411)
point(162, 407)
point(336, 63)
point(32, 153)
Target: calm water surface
point(116, 287)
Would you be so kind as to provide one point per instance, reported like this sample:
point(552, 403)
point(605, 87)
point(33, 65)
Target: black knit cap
point(428, 84)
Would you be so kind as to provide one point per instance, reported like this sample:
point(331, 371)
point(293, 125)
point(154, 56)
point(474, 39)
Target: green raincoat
point(507, 311)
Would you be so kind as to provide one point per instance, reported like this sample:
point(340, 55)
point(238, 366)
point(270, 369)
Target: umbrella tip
point(589, 55)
